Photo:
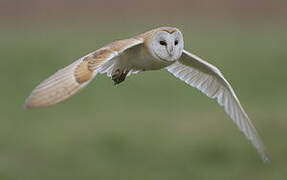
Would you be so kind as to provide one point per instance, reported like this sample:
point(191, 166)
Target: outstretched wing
point(209, 80)
point(69, 80)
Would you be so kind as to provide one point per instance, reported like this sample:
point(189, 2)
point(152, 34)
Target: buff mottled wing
point(61, 85)
point(69, 80)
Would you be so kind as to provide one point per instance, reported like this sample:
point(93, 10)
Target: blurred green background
point(152, 126)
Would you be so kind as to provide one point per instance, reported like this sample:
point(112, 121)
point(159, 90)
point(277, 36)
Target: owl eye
point(163, 43)
point(175, 42)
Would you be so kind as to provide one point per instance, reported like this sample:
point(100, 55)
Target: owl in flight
point(153, 50)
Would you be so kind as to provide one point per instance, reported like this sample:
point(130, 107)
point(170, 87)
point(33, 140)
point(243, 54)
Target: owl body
point(140, 59)
point(161, 48)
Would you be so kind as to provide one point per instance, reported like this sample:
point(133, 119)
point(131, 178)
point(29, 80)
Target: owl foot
point(119, 76)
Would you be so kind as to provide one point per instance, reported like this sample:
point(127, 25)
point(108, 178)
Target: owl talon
point(119, 77)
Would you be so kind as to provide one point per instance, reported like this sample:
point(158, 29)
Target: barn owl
point(153, 50)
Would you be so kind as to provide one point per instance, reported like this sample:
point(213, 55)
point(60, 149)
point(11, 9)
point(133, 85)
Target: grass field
point(152, 126)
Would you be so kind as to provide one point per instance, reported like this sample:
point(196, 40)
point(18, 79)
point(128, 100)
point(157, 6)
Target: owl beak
point(170, 50)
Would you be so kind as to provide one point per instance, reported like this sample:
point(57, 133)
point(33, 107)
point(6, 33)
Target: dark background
point(152, 126)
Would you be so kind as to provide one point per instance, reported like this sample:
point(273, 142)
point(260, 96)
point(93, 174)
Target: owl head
point(166, 44)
